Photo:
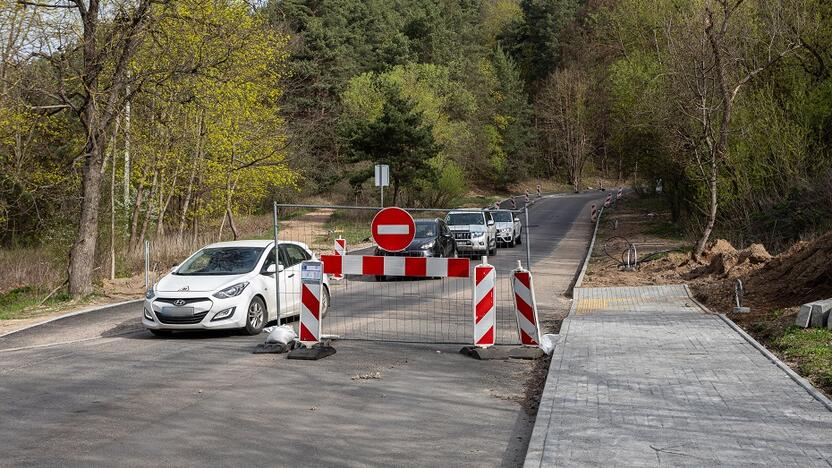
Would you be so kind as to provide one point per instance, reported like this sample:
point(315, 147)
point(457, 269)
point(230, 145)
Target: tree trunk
point(134, 221)
point(82, 255)
point(712, 209)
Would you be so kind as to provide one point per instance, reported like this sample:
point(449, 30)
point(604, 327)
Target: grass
point(19, 301)
point(811, 351)
point(354, 231)
point(665, 230)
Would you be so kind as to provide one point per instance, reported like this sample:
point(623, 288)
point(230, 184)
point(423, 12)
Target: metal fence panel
point(396, 308)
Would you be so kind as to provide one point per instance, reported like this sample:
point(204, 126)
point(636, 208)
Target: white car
point(229, 285)
point(474, 231)
point(509, 229)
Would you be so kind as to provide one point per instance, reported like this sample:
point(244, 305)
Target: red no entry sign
point(393, 229)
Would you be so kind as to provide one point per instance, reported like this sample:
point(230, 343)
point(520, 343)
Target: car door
point(266, 284)
point(295, 255)
point(449, 243)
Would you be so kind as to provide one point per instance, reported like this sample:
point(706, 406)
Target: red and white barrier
point(620, 193)
point(608, 200)
point(396, 266)
point(341, 250)
point(310, 313)
point(485, 305)
point(593, 214)
point(525, 307)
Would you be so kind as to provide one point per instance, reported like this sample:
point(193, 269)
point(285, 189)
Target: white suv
point(509, 229)
point(474, 231)
point(229, 285)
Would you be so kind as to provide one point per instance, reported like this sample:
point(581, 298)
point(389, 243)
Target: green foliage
point(17, 301)
point(811, 349)
point(399, 138)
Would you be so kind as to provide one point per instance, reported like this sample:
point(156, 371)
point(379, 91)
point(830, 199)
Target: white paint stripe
point(487, 283)
point(481, 328)
point(394, 266)
point(393, 229)
point(437, 267)
point(352, 265)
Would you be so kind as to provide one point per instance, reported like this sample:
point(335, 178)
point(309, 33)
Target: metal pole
point(276, 268)
point(146, 264)
point(382, 196)
point(528, 247)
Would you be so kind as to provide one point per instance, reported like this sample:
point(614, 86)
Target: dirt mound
point(802, 273)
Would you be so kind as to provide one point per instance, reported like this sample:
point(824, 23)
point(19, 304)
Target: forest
point(174, 120)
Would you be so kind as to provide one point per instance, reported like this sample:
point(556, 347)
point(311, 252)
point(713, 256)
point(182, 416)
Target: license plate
point(178, 311)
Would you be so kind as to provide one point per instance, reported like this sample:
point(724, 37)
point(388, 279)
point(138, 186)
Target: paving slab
point(645, 377)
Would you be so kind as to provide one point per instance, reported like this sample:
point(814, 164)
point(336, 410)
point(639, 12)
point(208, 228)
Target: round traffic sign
point(393, 229)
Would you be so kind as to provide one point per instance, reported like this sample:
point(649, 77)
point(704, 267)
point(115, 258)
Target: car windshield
point(221, 261)
point(425, 229)
point(502, 216)
point(457, 219)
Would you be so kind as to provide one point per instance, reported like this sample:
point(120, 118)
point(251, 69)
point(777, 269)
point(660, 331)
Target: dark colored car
point(433, 239)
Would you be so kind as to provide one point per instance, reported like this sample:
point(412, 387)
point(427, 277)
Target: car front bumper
point(472, 245)
point(197, 313)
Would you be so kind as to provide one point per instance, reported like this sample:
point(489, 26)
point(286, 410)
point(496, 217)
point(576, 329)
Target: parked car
point(229, 285)
point(433, 239)
point(474, 231)
point(509, 228)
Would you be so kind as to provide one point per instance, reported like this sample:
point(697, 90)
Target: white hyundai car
point(229, 285)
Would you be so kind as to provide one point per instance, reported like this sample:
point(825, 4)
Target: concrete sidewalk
point(644, 377)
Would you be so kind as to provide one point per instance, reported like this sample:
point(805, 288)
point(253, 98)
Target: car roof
point(262, 243)
point(472, 210)
point(426, 220)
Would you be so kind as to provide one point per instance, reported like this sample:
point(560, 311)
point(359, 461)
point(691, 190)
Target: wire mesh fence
point(396, 308)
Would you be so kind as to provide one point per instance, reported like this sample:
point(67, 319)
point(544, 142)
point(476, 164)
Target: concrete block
point(526, 352)
point(804, 315)
point(318, 351)
point(820, 313)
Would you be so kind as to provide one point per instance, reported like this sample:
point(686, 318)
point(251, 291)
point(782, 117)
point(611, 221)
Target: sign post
point(382, 179)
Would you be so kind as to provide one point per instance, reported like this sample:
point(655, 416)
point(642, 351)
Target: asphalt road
point(95, 389)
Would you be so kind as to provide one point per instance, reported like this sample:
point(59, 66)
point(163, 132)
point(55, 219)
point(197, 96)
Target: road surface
point(95, 389)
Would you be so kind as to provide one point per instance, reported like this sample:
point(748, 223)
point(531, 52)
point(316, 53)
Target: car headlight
point(231, 291)
point(476, 234)
point(150, 294)
point(428, 245)
point(223, 314)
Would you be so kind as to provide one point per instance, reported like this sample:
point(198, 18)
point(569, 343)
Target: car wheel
point(255, 316)
point(161, 333)
point(520, 238)
point(325, 298)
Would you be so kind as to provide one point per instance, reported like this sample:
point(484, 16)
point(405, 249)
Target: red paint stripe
point(526, 339)
point(306, 335)
point(486, 338)
point(414, 266)
point(481, 272)
point(341, 242)
point(525, 309)
point(332, 264)
point(484, 306)
point(524, 278)
point(458, 267)
point(310, 301)
point(372, 265)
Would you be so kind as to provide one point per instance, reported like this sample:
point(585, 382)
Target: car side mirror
point(490, 222)
point(280, 267)
point(516, 218)
point(271, 269)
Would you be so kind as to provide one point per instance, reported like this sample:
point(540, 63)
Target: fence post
point(146, 265)
point(276, 268)
point(528, 246)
